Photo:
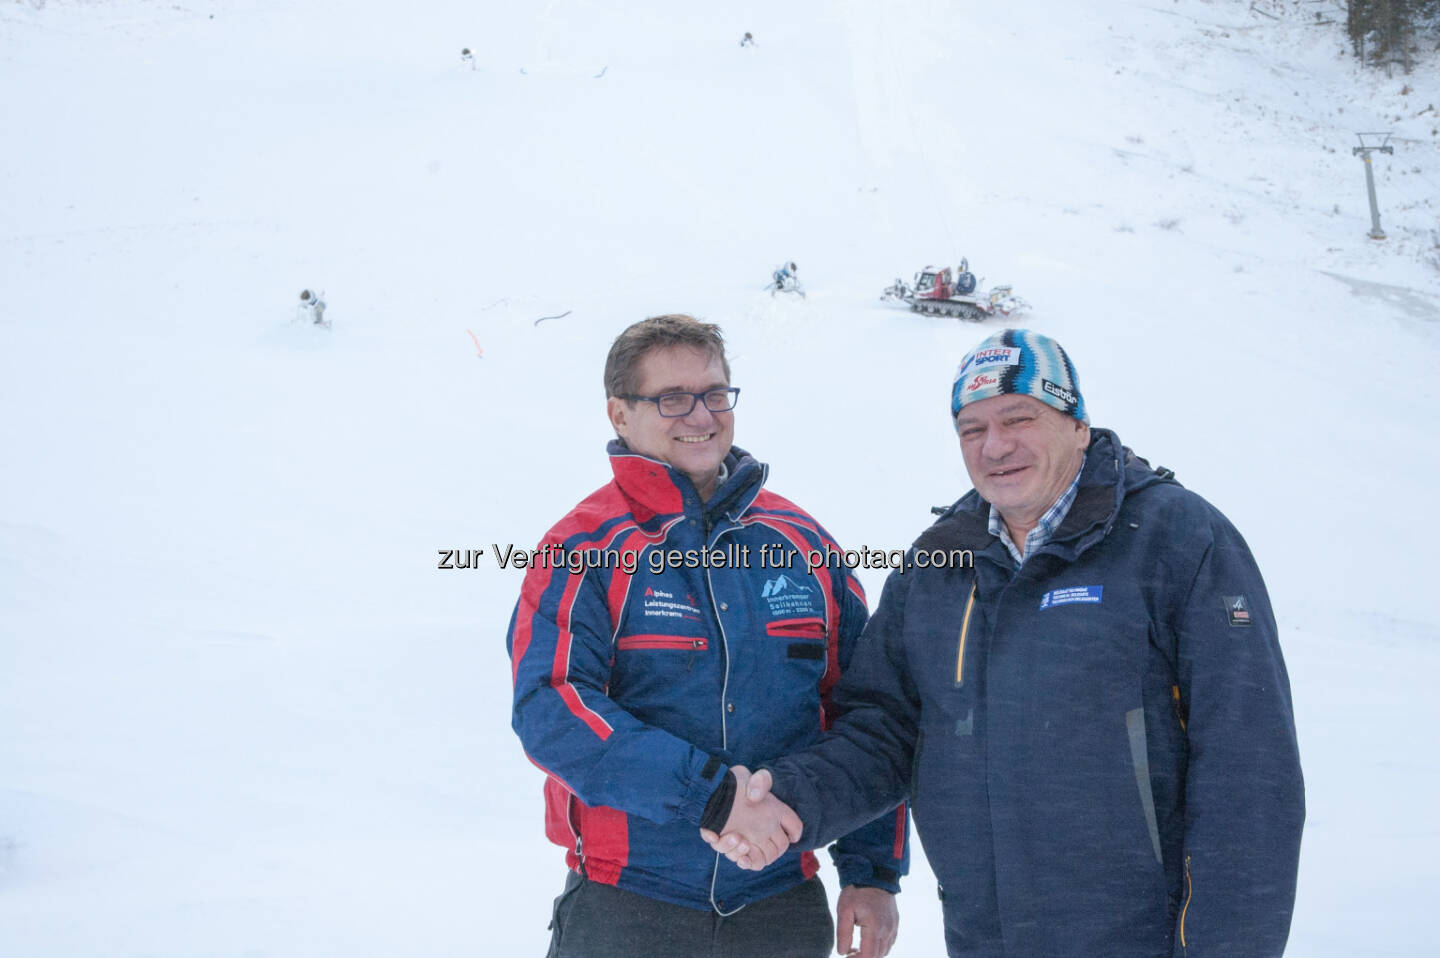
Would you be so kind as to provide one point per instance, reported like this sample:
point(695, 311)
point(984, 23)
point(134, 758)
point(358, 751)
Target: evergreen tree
point(1385, 32)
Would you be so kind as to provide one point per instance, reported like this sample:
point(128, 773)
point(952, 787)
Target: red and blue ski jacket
point(658, 640)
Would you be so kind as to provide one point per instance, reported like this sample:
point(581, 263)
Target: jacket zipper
point(725, 681)
point(575, 831)
point(808, 628)
point(661, 642)
point(964, 631)
point(1189, 893)
point(724, 726)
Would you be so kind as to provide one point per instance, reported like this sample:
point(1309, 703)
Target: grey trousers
point(592, 920)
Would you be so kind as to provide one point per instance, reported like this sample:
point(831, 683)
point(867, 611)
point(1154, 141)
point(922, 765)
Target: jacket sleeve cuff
point(722, 800)
point(858, 870)
point(707, 777)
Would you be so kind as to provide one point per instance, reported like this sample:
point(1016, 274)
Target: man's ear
point(1082, 430)
point(618, 410)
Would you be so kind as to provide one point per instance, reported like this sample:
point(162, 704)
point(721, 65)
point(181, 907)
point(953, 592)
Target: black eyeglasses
point(676, 405)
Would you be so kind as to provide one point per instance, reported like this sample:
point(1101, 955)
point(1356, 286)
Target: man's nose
point(998, 444)
point(700, 415)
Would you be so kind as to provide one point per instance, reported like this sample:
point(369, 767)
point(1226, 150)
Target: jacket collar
point(655, 488)
point(1097, 502)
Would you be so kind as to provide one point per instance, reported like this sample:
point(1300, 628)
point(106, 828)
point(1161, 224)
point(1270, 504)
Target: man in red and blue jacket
point(679, 621)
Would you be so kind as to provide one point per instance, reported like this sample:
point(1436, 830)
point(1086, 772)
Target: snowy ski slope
point(241, 710)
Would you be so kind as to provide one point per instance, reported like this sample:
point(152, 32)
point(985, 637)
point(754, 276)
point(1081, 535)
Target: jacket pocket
point(629, 642)
point(806, 628)
point(1140, 759)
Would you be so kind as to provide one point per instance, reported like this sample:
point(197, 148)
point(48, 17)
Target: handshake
point(760, 827)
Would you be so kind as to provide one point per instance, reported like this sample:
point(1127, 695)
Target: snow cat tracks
point(948, 307)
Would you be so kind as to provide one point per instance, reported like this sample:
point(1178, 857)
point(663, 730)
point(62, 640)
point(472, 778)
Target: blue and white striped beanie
point(1019, 362)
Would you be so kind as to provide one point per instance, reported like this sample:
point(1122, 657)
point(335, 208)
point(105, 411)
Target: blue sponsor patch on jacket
point(1072, 595)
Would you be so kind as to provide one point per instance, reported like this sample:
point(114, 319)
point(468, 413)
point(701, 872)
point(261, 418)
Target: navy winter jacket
point(677, 639)
point(1099, 747)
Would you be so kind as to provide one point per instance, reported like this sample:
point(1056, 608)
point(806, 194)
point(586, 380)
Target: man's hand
point(760, 827)
point(873, 909)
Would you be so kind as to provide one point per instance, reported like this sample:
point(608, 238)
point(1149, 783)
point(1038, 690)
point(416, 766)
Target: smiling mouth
point(1003, 473)
point(693, 439)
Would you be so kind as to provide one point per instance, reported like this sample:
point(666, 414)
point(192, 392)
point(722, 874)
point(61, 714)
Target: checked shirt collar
point(1044, 529)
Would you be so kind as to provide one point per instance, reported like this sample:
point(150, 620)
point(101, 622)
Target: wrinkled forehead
point(680, 367)
point(998, 407)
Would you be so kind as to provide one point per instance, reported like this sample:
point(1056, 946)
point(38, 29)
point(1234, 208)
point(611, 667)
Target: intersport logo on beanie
point(1023, 363)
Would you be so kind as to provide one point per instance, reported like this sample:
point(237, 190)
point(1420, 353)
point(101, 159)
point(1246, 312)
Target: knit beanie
point(1019, 362)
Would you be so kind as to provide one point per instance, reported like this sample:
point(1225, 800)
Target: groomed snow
point(241, 710)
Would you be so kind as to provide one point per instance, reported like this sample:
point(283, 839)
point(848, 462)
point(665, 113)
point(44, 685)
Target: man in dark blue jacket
point(671, 628)
point(1091, 716)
